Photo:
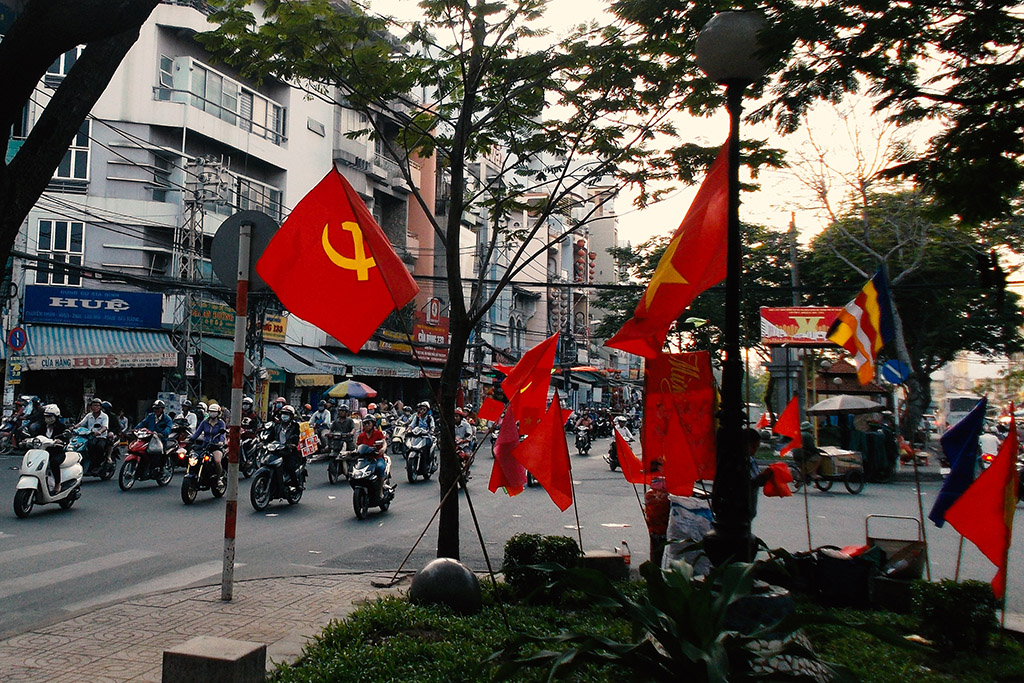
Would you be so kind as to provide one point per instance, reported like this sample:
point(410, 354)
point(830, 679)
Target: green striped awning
point(58, 347)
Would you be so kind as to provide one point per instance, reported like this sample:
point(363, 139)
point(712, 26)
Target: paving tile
point(36, 641)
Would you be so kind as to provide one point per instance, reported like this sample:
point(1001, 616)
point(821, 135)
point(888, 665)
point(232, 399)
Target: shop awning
point(56, 347)
point(366, 365)
point(223, 350)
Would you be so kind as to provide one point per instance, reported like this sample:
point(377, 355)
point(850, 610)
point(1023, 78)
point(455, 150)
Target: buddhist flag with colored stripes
point(865, 326)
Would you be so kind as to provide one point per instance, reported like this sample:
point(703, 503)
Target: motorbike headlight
point(206, 458)
point(193, 461)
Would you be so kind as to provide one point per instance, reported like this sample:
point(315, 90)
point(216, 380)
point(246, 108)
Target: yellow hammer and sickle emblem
point(361, 263)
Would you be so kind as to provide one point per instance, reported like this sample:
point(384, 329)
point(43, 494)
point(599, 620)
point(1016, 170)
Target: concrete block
point(608, 563)
point(205, 659)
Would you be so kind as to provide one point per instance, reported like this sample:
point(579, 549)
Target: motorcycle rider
point(464, 435)
point(200, 411)
point(345, 426)
point(213, 431)
point(320, 421)
point(371, 444)
point(114, 428)
point(275, 409)
point(33, 411)
point(97, 422)
point(156, 420)
point(52, 427)
point(286, 432)
point(250, 420)
point(189, 415)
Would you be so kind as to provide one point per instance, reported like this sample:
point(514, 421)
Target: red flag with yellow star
point(331, 241)
point(693, 261)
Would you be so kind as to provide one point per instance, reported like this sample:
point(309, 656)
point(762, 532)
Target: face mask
point(286, 418)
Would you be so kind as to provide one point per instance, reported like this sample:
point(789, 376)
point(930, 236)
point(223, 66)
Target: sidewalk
point(125, 641)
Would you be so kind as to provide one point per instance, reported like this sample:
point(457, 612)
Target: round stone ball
point(446, 581)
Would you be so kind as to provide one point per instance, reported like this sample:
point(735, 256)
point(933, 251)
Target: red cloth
point(984, 513)
point(491, 410)
point(526, 385)
point(765, 421)
point(545, 454)
point(693, 261)
point(506, 472)
point(776, 486)
point(788, 424)
point(632, 469)
point(331, 238)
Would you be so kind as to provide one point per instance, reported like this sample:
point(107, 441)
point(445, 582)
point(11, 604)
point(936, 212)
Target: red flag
point(331, 239)
point(776, 485)
point(984, 513)
point(632, 469)
point(526, 385)
point(765, 421)
point(545, 454)
point(680, 468)
point(788, 424)
point(491, 410)
point(693, 261)
point(507, 472)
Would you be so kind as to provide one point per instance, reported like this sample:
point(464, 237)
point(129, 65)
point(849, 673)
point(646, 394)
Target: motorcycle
point(583, 440)
point(271, 482)
point(176, 446)
point(201, 473)
point(613, 455)
point(420, 456)
point(367, 488)
point(343, 456)
point(13, 436)
point(34, 481)
point(79, 443)
point(146, 459)
point(250, 449)
point(398, 439)
point(465, 449)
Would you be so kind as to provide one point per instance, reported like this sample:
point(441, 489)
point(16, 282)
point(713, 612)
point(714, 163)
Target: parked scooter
point(271, 481)
point(146, 459)
point(201, 474)
point(420, 454)
point(34, 483)
point(79, 443)
point(583, 439)
point(368, 490)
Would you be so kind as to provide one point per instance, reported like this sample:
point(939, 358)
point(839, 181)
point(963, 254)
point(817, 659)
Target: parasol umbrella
point(844, 404)
point(351, 389)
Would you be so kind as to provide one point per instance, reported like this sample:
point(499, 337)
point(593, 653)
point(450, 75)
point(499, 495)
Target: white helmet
point(214, 408)
point(51, 409)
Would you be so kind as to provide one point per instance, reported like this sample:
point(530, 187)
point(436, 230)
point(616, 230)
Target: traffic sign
point(224, 249)
point(17, 338)
point(895, 371)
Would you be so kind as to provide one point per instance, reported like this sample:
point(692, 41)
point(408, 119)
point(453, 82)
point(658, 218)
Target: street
point(114, 545)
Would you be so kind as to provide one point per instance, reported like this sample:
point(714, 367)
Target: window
point(75, 164)
point(59, 242)
point(162, 167)
point(255, 196)
point(60, 68)
point(185, 80)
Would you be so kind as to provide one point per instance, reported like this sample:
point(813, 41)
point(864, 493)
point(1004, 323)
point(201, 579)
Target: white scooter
point(34, 484)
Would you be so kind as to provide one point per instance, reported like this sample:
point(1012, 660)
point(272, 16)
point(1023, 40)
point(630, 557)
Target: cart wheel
point(823, 484)
point(854, 481)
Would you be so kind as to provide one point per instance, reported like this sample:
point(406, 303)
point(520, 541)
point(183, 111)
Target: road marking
point(23, 584)
point(178, 579)
point(40, 549)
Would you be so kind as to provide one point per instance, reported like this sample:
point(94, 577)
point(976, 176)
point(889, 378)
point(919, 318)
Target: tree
point(931, 262)
point(41, 32)
point(957, 65)
point(571, 121)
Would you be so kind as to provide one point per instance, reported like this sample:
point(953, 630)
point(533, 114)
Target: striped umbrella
point(351, 389)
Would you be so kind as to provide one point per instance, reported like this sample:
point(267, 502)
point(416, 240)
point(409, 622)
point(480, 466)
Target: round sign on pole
point(17, 338)
point(224, 249)
point(895, 371)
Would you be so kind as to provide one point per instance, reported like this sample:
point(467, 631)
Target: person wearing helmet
point(157, 420)
point(424, 420)
point(275, 408)
point(98, 424)
point(370, 444)
point(214, 432)
point(320, 421)
point(52, 427)
point(346, 427)
point(250, 420)
point(621, 428)
point(189, 414)
point(465, 434)
point(33, 412)
point(286, 432)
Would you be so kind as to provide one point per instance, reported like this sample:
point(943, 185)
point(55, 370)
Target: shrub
point(523, 551)
point(957, 616)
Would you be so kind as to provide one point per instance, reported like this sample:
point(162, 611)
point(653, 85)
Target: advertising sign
point(96, 307)
point(218, 320)
point(106, 362)
point(425, 336)
point(797, 325)
point(14, 368)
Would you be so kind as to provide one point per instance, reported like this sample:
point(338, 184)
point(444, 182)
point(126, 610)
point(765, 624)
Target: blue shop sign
point(98, 307)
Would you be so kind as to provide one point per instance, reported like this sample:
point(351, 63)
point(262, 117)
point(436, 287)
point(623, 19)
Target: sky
point(781, 197)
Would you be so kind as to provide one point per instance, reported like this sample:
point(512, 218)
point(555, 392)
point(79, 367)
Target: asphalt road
point(114, 545)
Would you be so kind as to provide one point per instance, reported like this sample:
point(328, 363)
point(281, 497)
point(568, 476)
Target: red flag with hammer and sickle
point(330, 240)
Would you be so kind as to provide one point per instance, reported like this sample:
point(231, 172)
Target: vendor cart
point(837, 464)
point(904, 552)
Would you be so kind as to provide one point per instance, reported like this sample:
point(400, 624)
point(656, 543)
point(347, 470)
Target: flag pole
point(575, 506)
point(807, 508)
point(959, 554)
point(920, 512)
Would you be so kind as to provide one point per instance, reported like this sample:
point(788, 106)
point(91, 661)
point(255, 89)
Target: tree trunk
point(448, 522)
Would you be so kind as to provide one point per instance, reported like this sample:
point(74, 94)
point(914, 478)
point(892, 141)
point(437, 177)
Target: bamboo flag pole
point(959, 554)
point(575, 506)
point(920, 505)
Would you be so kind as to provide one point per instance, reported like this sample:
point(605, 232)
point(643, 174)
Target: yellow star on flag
point(665, 273)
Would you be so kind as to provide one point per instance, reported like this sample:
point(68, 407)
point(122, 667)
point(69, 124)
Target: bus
point(954, 408)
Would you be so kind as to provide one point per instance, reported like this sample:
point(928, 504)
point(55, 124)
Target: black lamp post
point(727, 51)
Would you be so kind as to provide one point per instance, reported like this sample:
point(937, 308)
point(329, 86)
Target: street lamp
point(728, 52)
